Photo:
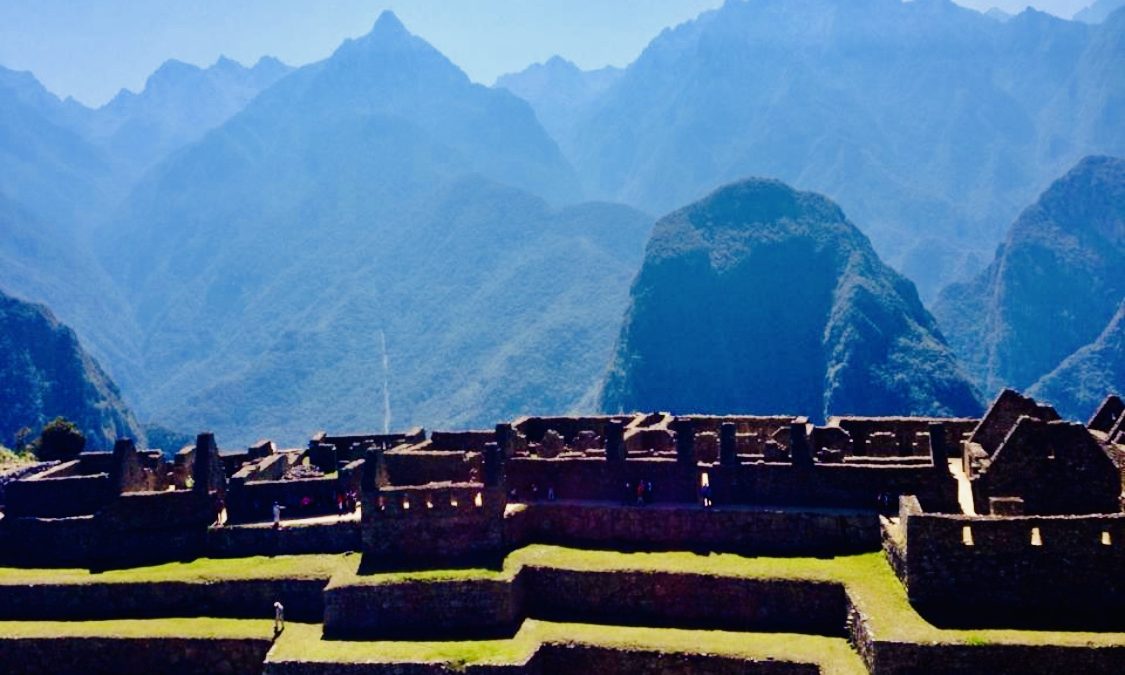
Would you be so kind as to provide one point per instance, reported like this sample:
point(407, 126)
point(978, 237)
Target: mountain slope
point(559, 91)
point(761, 299)
point(179, 103)
point(930, 123)
point(379, 191)
point(49, 166)
point(1055, 284)
point(1099, 11)
point(1086, 377)
point(44, 373)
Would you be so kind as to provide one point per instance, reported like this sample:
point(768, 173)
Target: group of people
point(536, 495)
point(346, 502)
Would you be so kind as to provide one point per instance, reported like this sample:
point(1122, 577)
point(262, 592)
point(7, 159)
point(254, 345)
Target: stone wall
point(47, 496)
point(240, 541)
point(496, 606)
point(782, 484)
point(137, 656)
point(433, 525)
point(414, 467)
point(87, 601)
point(765, 531)
point(1051, 572)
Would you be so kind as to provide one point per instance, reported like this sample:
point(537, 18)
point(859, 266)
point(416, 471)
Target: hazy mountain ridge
point(369, 193)
point(761, 299)
point(559, 91)
point(1099, 11)
point(44, 373)
point(1055, 285)
point(179, 103)
point(930, 123)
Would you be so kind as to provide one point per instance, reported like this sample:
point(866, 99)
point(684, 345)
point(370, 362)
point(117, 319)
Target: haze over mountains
point(786, 308)
point(236, 245)
point(376, 195)
point(931, 124)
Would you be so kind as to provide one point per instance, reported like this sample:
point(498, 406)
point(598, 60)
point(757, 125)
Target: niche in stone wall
point(967, 535)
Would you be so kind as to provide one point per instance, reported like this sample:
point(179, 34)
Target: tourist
point(648, 492)
point(641, 493)
point(276, 515)
point(278, 618)
point(628, 494)
point(550, 493)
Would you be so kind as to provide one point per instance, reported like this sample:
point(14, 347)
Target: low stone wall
point(415, 467)
point(496, 606)
point(751, 531)
point(132, 656)
point(243, 599)
point(849, 485)
point(241, 541)
point(471, 608)
point(566, 659)
point(1050, 572)
point(9, 476)
point(42, 542)
point(43, 496)
point(667, 599)
point(254, 499)
point(888, 657)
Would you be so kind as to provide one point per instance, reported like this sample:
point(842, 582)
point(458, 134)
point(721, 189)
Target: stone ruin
point(956, 503)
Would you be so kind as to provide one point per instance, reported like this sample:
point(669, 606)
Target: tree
point(60, 440)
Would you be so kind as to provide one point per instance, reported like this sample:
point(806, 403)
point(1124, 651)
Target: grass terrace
point(202, 570)
point(303, 643)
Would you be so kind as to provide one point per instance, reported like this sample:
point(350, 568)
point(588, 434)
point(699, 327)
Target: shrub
point(60, 440)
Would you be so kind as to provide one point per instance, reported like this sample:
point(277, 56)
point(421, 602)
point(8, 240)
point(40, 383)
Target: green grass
point(207, 628)
point(304, 643)
point(202, 570)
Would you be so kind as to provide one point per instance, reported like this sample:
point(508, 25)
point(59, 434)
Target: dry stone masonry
point(1011, 520)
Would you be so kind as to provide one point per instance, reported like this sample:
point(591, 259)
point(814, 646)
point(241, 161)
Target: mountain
point(762, 299)
point(49, 166)
point(1086, 377)
point(1055, 285)
point(376, 194)
point(930, 123)
point(998, 14)
point(45, 373)
point(179, 103)
point(559, 91)
point(1099, 11)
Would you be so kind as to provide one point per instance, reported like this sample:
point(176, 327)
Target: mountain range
point(376, 196)
point(930, 123)
point(373, 239)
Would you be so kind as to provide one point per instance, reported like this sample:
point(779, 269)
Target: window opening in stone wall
point(406, 503)
point(478, 501)
point(1107, 540)
point(453, 501)
point(967, 535)
point(1036, 540)
point(429, 501)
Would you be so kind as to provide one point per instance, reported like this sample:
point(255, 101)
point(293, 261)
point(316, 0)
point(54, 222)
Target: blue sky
point(90, 49)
